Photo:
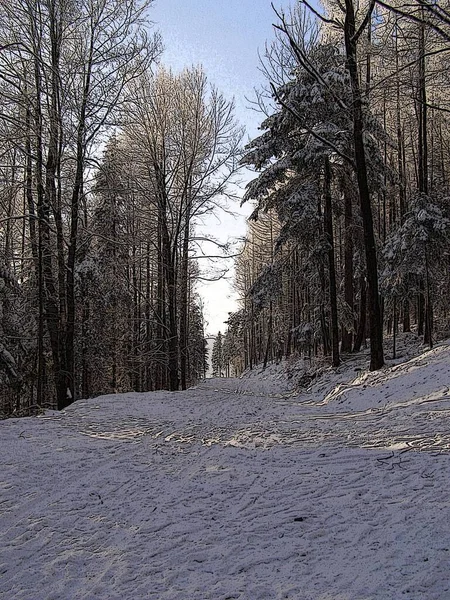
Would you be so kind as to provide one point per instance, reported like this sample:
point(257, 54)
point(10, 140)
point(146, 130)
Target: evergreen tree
point(305, 159)
point(217, 356)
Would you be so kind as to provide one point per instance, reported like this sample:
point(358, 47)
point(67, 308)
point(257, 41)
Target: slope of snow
point(236, 489)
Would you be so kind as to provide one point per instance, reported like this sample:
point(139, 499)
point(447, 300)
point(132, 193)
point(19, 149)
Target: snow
point(236, 489)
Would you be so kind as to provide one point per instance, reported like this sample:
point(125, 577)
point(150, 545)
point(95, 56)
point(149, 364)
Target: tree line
point(109, 162)
point(349, 237)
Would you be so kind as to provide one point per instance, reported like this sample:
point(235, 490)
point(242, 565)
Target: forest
point(110, 162)
point(348, 242)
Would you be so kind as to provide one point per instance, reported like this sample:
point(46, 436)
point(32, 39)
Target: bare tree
point(184, 137)
point(67, 65)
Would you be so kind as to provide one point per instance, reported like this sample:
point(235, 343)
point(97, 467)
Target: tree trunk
point(360, 332)
point(328, 226)
point(170, 279)
point(36, 251)
point(184, 305)
point(376, 324)
point(49, 298)
point(427, 311)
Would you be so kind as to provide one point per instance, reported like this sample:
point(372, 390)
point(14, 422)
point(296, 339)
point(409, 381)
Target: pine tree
point(217, 357)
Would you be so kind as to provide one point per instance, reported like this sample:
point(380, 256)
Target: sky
point(224, 36)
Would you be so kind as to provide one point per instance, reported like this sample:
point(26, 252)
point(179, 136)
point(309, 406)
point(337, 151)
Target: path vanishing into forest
point(235, 489)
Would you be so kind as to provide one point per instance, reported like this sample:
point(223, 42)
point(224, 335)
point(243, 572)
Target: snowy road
point(235, 490)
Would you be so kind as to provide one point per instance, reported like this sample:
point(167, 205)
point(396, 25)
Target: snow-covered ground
point(236, 489)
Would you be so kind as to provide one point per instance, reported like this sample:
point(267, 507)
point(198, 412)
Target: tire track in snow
point(206, 494)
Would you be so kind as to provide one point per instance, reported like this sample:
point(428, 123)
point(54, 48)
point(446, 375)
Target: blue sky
point(224, 36)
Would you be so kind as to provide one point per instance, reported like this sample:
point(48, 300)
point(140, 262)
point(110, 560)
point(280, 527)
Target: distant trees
point(217, 358)
point(185, 142)
point(124, 304)
point(174, 158)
